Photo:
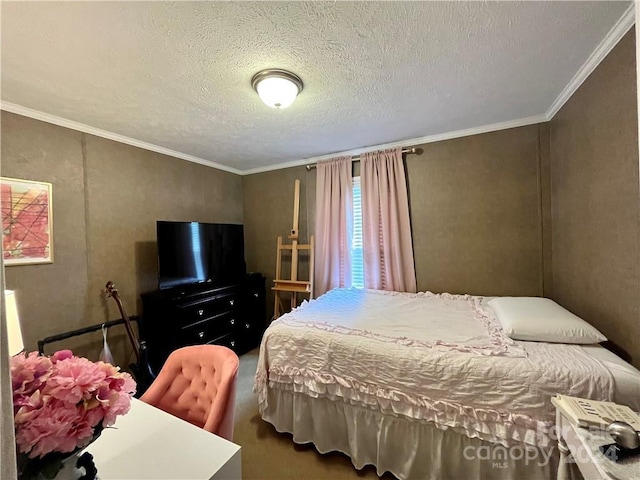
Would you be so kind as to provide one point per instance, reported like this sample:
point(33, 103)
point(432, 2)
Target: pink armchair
point(198, 384)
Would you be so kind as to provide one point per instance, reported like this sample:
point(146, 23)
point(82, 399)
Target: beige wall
point(475, 211)
point(52, 298)
point(107, 197)
point(475, 214)
point(268, 212)
point(594, 174)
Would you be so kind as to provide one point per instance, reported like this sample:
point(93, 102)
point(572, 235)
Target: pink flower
point(60, 401)
point(57, 426)
point(61, 355)
point(75, 379)
point(120, 406)
point(28, 373)
point(33, 401)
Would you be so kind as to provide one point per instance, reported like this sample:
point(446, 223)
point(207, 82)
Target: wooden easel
point(293, 285)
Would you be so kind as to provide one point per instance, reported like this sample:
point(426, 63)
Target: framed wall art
point(27, 222)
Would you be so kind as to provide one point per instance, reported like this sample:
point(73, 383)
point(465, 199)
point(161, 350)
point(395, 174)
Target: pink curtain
point(334, 225)
point(386, 228)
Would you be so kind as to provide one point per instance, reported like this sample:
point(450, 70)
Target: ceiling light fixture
point(277, 88)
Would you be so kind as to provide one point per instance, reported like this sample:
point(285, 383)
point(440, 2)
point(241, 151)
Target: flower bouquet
point(60, 405)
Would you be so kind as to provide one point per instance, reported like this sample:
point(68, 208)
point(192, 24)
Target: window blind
point(357, 258)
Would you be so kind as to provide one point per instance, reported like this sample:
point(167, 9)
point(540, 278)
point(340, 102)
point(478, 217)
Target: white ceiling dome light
point(277, 88)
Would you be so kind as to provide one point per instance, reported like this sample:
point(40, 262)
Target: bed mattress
point(626, 377)
point(442, 359)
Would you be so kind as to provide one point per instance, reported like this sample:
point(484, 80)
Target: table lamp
point(14, 333)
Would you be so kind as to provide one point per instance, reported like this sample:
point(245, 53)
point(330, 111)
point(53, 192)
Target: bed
point(426, 385)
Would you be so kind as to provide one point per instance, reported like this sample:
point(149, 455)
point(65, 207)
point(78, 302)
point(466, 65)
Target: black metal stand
point(80, 331)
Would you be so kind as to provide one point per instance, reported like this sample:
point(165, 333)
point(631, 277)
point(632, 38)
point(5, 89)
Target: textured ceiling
point(177, 75)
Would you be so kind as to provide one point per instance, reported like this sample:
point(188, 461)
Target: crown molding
point(622, 26)
point(63, 122)
point(494, 127)
point(81, 127)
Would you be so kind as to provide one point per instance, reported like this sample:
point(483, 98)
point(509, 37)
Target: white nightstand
point(583, 445)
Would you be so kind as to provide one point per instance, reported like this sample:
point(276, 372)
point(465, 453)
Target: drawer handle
point(232, 321)
point(233, 343)
point(200, 312)
point(231, 302)
point(201, 334)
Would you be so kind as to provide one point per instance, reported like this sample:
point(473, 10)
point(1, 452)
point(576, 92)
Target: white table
point(584, 446)
point(148, 443)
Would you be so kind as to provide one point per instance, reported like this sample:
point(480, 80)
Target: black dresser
point(229, 315)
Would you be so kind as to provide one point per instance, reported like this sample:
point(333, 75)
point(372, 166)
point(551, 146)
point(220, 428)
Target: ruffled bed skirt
point(407, 449)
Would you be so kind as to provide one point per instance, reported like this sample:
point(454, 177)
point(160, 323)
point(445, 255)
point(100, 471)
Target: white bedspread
point(435, 358)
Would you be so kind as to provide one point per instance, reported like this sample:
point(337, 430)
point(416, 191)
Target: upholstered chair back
point(198, 384)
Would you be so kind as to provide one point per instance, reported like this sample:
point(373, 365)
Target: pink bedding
point(435, 358)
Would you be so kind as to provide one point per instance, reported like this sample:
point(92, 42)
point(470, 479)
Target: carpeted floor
point(267, 454)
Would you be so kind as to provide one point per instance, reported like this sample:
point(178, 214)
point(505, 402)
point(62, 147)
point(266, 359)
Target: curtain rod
point(356, 158)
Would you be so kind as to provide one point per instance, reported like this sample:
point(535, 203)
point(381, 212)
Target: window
point(357, 259)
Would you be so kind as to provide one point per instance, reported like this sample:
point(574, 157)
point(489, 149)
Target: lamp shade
point(14, 332)
point(277, 88)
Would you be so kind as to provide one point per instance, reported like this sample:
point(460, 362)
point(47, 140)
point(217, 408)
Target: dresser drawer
point(246, 326)
point(204, 309)
point(230, 341)
point(208, 330)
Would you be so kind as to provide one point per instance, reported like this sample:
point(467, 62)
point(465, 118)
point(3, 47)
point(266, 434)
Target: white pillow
point(536, 319)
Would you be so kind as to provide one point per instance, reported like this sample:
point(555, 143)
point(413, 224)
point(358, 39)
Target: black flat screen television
point(192, 253)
